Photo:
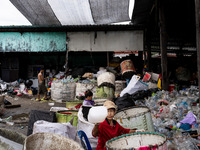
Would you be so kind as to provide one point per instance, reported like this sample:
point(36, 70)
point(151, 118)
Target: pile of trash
point(18, 87)
point(176, 114)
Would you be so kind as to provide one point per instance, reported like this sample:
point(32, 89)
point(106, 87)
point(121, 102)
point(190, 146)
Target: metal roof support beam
point(163, 46)
point(197, 14)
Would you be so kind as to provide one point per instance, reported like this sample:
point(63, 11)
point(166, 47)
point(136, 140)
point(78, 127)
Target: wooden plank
point(12, 106)
point(163, 46)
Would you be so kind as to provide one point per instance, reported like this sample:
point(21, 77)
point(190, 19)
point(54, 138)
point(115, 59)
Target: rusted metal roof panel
point(32, 41)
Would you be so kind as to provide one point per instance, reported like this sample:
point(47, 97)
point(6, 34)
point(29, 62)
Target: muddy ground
point(20, 115)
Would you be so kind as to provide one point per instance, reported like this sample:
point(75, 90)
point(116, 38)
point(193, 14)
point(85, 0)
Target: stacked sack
point(106, 85)
point(63, 90)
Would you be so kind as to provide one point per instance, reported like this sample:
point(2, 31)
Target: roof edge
point(70, 28)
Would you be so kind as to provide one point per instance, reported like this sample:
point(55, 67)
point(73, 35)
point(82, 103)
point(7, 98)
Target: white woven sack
point(65, 129)
point(106, 77)
point(82, 87)
point(87, 128)
point(56, 95)
point(58, 85)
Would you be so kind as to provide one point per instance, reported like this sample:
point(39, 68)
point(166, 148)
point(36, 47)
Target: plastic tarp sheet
point(38, 12)
point(6, 144)
point(36, 115)
point(134, 85)
point(110, 11)
point(72, 12)
point(65, 129)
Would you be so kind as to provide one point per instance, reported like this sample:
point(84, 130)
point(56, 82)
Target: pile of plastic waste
point(175, 114)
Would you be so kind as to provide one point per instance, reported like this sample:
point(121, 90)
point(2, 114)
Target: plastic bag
point(134, 86)
point(124, 101)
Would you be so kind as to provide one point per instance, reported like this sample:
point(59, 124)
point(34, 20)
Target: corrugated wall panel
point(32, 41)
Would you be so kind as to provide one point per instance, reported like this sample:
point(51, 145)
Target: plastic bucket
point(171, 87)
point(73, 105)
point(67, 116)
point(138, 141)
point(127, 69)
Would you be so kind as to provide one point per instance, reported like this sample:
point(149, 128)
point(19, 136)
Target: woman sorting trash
point(88, 99)
point(109, 128)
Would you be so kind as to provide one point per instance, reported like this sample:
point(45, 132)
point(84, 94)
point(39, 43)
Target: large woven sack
point(61, 91)
point(106, 78)
point(50, 141)
point(105, 92)
point(82, 87)
point(87, 128)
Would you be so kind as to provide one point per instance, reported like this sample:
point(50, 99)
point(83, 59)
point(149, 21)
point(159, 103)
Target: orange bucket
point(127, 68)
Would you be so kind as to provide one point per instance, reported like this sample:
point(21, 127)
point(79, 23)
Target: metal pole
point(163, 46)
point(197, 14)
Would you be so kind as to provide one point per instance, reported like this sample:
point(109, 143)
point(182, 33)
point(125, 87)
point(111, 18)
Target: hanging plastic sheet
point(72, 12)
point(38, 12)
point(110, 11)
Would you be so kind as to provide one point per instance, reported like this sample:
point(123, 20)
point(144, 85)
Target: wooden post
point(148, 41)
point(197, 14)
point(108, 60)
point(141, 66)
point(163, 46)
point(66, 61)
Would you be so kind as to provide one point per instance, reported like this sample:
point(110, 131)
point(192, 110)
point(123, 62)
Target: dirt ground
point(20, 115)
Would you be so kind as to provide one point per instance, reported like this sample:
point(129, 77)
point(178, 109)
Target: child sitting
point(88, 99)
point(87, 103)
